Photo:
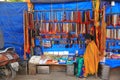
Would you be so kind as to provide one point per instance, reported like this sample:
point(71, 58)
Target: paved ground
point(52, 76)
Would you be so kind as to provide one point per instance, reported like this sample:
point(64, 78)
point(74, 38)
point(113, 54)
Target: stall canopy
point(113, 9)
point(73, 6)
point(56, 1)
point(11, 24)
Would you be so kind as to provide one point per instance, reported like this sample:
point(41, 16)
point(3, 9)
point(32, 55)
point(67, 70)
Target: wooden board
point(59, 68)
point(52, 67)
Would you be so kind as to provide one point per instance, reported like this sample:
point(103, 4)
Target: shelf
point(54, 10)
point(112, 27)
point(59, 39)
point(52, 34)
point(60, 22)
point(115, 47)
point(112, 39)
point(55, 39)
point(64, 21)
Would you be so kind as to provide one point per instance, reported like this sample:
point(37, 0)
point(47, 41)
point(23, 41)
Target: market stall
point(57, 31)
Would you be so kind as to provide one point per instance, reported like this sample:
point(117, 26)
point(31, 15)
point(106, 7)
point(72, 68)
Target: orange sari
point(91, 59)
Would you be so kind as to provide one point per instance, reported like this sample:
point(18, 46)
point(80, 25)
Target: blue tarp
point(11, 19)
point(113, 63)
point(67, 7)
point(74, 6)
point(113, 9)
point(11, 23)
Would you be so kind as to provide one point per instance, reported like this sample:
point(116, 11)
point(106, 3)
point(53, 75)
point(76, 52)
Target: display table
point(35, 68)
point(113, 63)
point(114, 68)
point(110, 70)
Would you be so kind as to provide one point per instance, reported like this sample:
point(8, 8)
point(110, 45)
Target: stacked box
point(43, 69)
point(32, 69)
point(104, 72)
point(23, 68)
point(70, 69)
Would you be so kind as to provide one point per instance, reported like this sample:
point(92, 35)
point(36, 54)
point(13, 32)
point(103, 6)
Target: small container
point(76, 53)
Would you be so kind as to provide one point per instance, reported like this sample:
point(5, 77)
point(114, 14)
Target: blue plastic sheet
point(11, 23)
point(73, 6)
point(113, 9)
point(113, 63)
point(67, 7)
point(61, 7)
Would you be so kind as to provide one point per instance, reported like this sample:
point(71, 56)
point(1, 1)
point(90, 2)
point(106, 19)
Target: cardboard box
point(23, 68)
point(32, 69)
point(104, 71)
point(70, 69)
point(43, 69)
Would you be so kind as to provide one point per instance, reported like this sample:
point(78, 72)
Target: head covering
point(89, 36)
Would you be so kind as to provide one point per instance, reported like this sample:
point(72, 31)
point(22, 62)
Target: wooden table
point(69, 69)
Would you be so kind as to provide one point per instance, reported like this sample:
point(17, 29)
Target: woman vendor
point(91, 56)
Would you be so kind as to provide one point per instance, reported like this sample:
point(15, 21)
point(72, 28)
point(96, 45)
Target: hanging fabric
point(53, 28)
point(114, 20)
point(74, 16)
point(79, 17)
point(43, 27)
point(71, 16)
point(119, 34)
point(36, 25)
point(61, 27)
point(108, 33)
point(30, 6)
point(116, 33)
point(64, 27)
point(96, 4)
point(88, 15)
point(118, 20)
point(58, 27)
point(83, 29)
point(111, 34)
point(47, 27)
point(26, 35)
point(76, 28)
point(102, 35)
point(108, 20)
point(50, 27)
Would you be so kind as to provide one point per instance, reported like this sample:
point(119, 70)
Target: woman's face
point(87, 41)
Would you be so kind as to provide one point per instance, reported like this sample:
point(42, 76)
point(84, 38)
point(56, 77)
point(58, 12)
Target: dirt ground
point(53, 76)
point(115, 75)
